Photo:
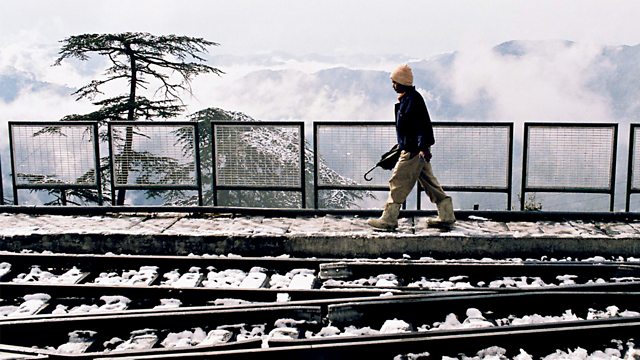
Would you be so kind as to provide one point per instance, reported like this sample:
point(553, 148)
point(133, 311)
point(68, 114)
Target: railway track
point(94, 282)
point(294, 328)
point(538, 343)
point(234, 306)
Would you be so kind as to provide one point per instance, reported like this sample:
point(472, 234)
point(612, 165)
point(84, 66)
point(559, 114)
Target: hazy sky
point(415, 28)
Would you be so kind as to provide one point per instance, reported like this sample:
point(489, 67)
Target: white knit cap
point(402, 75)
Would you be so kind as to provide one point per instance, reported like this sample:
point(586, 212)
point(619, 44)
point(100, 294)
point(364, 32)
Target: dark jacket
point(413, 124)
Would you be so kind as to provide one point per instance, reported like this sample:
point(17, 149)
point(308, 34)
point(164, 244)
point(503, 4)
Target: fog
point(548, 82)
point(513, 82)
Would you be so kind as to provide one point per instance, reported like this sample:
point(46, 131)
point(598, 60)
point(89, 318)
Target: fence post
point(1, 189)
point(630, 161)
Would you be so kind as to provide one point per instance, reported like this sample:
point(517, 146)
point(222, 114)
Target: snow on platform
point(314, 236)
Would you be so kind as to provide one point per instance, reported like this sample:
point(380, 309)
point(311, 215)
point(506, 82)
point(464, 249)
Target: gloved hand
point(426, 155)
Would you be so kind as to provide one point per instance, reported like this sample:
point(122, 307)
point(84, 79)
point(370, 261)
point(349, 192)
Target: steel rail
point(538, 342)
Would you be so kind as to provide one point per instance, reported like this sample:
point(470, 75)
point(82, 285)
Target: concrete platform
point(326, 236)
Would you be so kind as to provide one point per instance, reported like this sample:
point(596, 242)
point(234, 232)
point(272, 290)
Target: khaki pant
point(407, 171)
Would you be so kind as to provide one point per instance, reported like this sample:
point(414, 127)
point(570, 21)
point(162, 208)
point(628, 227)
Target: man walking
point(415, 137)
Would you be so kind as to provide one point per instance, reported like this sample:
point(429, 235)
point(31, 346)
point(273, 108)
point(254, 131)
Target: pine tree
point(138, 61)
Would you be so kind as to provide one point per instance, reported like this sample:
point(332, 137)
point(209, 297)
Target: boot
point(445, 218)
point(389, 218)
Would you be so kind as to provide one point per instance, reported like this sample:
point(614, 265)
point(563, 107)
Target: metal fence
point(1, 186)
point(154, 156)
point(258, 156)
point(269, 164)
point(58, 156)
point(569, 158)
point(462, 156)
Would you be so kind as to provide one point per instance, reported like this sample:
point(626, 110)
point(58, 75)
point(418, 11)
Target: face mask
point(399, 88)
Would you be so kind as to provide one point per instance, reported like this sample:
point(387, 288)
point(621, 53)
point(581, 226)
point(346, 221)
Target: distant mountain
point(518, 48)
point(341, 93)
point(514, 81)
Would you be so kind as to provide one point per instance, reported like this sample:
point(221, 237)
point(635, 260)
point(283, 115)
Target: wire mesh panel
point(1, 186)
point(343, 153)
point(468, 156)
point(49, 155)
point(633, 172)
point(349, 150)
point(258, 156)
point(153, 155)
point(569, 158)
point(635, 157)
point(473, 157)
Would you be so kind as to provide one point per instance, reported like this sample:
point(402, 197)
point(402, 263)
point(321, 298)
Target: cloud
point(547, 82)
point(332, 94)
point(45, 105)
point(517, 81)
